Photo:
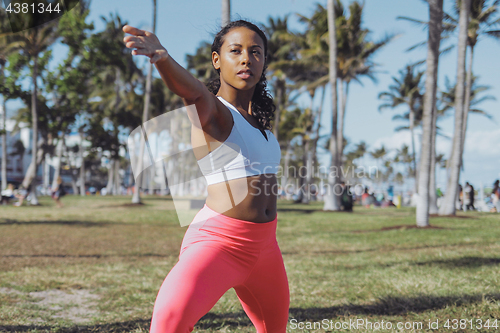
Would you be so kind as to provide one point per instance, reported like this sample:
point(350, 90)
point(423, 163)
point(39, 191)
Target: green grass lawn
point(96, 266)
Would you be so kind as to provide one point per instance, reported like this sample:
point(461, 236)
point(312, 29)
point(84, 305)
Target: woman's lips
point(244, 74)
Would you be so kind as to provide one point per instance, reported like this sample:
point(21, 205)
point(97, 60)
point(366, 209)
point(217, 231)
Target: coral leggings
point(218, 253)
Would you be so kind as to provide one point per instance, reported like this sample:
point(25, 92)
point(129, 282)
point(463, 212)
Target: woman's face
point(241, 58)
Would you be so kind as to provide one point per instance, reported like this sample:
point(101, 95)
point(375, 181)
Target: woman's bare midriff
point(250, 199)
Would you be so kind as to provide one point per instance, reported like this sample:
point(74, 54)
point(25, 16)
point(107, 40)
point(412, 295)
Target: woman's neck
point(240, 99)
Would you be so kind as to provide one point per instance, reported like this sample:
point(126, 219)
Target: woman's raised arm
point(177, 79)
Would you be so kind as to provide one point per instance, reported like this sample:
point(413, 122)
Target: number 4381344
point(25, 8)
point(471, 323)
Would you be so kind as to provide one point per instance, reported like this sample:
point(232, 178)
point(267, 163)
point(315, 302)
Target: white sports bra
point(246, 152)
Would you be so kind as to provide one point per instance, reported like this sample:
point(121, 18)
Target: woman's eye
point(234, 51)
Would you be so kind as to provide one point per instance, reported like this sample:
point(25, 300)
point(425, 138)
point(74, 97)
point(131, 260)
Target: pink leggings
point(218, 253)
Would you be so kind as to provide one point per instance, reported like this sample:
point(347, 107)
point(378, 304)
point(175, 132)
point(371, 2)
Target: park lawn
point(96, 266)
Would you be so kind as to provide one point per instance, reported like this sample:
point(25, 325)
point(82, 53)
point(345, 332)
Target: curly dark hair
point(263, 107)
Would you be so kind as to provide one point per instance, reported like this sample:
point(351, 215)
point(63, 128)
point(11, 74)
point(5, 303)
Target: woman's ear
point(215, 60)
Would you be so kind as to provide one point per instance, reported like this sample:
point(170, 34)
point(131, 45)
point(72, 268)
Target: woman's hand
point(145, 43)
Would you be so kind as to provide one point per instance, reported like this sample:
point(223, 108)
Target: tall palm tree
point(114, 103)
point(226, 12)
point(448, 207)
point(354, 60)
point(332, 201)
point(35, 41)
point(136, 198)
point(406, 90)
point(429, 109)
point(282, 51)
point(481, 22)
point(354, 52)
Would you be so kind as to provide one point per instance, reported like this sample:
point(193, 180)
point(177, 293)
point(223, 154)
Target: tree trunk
point(46, 173)
point(468, 92)
point(280, 94)
point(433, 208)
point(332, 200)
point(4, 145)
point(111, 177)
point(435, 24)
point(34, 150)
point(82, 167)
point(448, 206)
point(136, 197)
point(343, 105)
point(284, 178)
point(316, 134)
point(226, 12)
point(117, 182)
point(414, 162)
point(306, 161)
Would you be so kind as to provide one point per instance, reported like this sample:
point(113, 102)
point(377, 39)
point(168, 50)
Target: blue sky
point(182, 25)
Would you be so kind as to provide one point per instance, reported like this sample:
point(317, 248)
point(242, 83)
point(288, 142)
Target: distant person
point(58, 192)
point(390, 195)
point(495, 196)
point(469, 196)
point(365, 198)
point(460, 197)
point(7, 194)
point(346, 198)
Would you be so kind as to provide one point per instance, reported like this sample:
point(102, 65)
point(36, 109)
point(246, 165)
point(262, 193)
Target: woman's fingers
point(133, 31)
point(144, 43)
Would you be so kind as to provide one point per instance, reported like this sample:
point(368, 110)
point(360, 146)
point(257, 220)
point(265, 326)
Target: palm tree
point(200, 64)
point(448, 206)
point(448, 98)
point(378, 155)
point(136, 198)
point(282, 51)
point(429, 110)
point(354, 58)
point(114, 102)
point(226, 12)
point(35, 41)
point(354, 52)
point(404, 156)
point(332, 201)
point(304, 128)
point(481, 21)
point(407, 90)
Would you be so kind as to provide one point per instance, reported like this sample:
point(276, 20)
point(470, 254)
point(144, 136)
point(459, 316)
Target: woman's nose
point(245, 58)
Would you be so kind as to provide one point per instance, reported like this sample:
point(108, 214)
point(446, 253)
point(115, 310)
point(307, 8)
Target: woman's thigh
point(265, 294)
point(202, 275)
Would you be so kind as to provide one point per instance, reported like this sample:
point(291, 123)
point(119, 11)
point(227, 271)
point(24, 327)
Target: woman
point(234, 245)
